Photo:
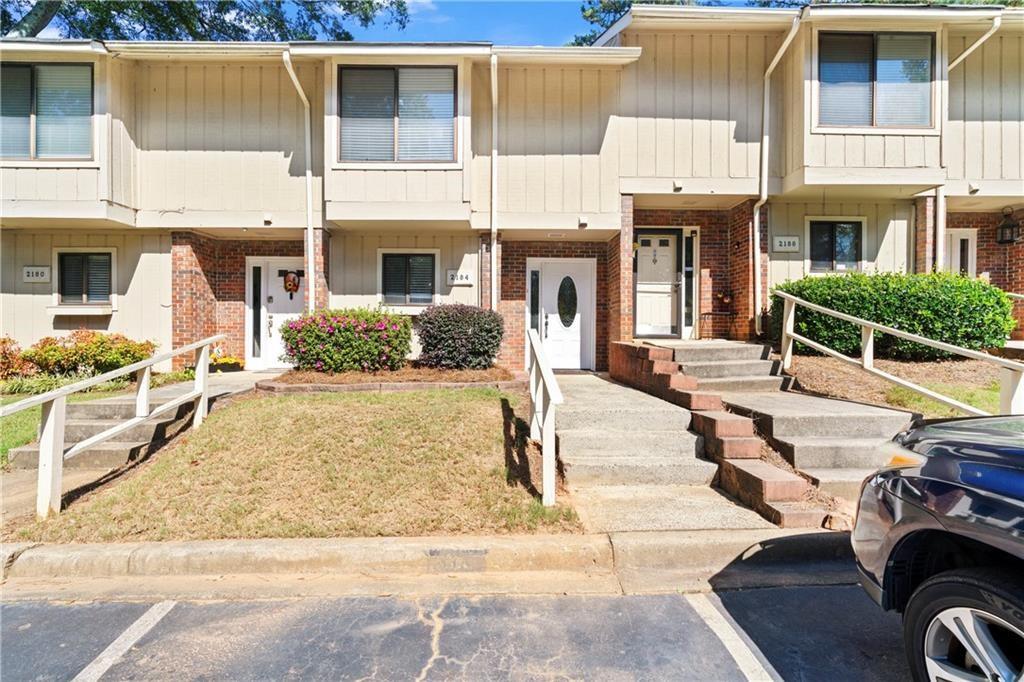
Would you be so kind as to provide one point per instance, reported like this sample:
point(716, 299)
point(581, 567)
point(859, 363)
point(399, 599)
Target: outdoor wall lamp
point(1008, 230)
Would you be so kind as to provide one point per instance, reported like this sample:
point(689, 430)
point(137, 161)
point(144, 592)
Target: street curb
point(392, 556)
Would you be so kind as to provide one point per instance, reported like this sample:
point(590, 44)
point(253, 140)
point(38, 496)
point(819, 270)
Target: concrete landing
point(632, 464)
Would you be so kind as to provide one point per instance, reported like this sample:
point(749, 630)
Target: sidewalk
point(19, 485)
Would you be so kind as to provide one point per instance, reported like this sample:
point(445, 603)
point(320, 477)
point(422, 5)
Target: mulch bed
point(405, 379)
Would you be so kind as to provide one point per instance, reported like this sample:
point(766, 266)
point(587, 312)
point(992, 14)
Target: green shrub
point(965, 312)
point(41, 383)
point(459, 336)
point(87, 352)
point(12, 361)
point(357, 339)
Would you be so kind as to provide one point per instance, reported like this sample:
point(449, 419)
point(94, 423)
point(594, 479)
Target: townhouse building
point(655, 184)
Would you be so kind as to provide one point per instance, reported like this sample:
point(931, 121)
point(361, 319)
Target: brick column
point(193, 303)
point(485, 269)
point(322, 260)
point(620, 277)
point(924, 234)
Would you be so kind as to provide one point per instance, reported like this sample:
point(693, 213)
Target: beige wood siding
point(691, 107)
point(887, 242)
point(123, 146)
point(787, 142)
point(557, 152)
point(395, 185)
point(354, 264)
point(49, 184)
point(985, 131)
point(143, 285)
point(225, 136)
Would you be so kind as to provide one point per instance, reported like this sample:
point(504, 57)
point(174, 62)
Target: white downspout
point(494, 182)
point(310, 237)
point(996, 22)
point(762, 179)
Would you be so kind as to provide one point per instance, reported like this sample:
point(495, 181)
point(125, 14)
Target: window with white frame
point(404, 114)
point(408, 278)
point(875, 79)
point(84, 278)
point(46, 111)
point(835, 245)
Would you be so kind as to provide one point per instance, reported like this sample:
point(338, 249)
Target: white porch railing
point(1011, 380)
point(1017, 297)
point(54, 403)
point(544, 395)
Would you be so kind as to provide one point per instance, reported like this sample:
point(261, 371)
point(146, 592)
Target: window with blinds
point(46, 111)
point(835, 245)
point(397, 114)
point(407, 278)
point(84, 278)
point(875, 79)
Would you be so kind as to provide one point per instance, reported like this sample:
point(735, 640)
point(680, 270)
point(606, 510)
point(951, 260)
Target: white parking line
point(747, 661)
point(120, 646)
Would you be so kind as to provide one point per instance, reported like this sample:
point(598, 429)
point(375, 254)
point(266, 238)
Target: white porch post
point(202, 385)
point(788, 327)
point(1011, 391)
point(51, 457)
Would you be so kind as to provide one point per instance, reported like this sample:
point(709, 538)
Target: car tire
point(986, 605)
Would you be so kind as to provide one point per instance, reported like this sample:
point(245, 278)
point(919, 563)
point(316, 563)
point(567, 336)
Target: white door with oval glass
point(274, 296)
point(561, 307)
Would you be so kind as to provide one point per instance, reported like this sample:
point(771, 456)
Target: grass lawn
point(327, 465)
point(974, 382)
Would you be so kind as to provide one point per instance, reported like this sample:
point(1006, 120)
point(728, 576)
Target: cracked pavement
point(799, 633)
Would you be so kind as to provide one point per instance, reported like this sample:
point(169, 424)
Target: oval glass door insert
point(567, 301)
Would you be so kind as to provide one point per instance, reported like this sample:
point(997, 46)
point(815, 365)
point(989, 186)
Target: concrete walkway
point(19, 485)
point(632, 465)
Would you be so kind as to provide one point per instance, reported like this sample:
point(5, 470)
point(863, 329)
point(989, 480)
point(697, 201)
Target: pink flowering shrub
point(356, 339)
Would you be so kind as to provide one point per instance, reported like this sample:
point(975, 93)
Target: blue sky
point(509, 22)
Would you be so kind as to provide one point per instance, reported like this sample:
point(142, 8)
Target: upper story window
point(876, 79)
point(402, 114)
point(46, 111)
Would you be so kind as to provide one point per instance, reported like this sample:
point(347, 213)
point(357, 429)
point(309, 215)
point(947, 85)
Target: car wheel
point(967, 625)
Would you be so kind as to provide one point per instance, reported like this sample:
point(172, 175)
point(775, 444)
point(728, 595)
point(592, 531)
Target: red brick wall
point(512, 294)
point(741, 267)
point(620, 277)
point(924, 234)
point(322, 259)
point(485, 270)
point(208, 284)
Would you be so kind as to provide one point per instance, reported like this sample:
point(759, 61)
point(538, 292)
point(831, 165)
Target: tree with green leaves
point(268, 20)
point(603, 13)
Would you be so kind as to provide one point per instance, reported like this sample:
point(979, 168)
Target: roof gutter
point(310, 237)
point(762, 178)
point(494, 182)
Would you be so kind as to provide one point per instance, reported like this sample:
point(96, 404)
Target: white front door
point(962, 251)
point(270, 304)
point(657, 285)
point(561, 306)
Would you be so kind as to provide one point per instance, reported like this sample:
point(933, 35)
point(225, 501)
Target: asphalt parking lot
point(792, 633)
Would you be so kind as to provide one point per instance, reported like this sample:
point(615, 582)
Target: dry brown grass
point(327, 465)
point(410, 374)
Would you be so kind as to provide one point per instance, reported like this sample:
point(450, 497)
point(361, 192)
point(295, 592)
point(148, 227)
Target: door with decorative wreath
point(273, 297)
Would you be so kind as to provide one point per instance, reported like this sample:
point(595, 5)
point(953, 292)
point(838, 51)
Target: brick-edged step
point(595, 442)
point(745, 383)
point(721, 424)
point(653, 470)
point(712, 352)
point(845, 483)
point(718, 369)
point(733, 447)
point(755, 481)
point(820, 453)
point(107, 455)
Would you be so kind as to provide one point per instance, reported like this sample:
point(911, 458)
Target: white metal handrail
point(52, 452)
point(544, 396)
point(1011, 383)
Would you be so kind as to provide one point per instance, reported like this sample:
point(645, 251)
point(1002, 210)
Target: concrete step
point(624, 418)
point(590, 471)
point(159, 428)
point(812, 453)
point(745, 384)
point(120, 409)
point(846, 426)
point(661, 507)
point(843, 483)
point(730, 368)
point(108, 455)
point(713, 352)
point(594, 442)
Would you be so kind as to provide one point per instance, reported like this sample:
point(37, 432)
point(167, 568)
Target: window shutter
point(98, 277)
point(72, 275)
point(63, 111)
point(421, 278)
point(904, 76)
point(367, 114)
point(393, 278)
point(426, 114)
point(844, 66)
point(15, 110)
